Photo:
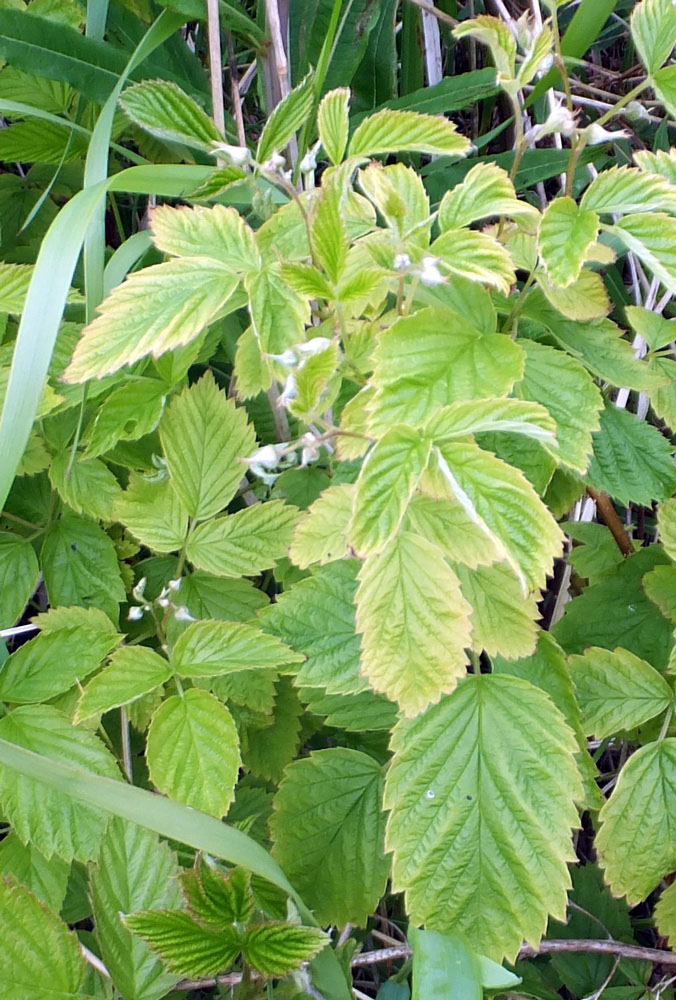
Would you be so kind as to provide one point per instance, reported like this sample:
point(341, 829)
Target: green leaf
point(188, 948)
point(219, 233)
point(655, 329)
point(14, 282)
point(154, 311)
point(476, 256)
point(494, 33)
point(206, 596)
point(245, 543)
point(332, 121)
point(433, 358)
point(561, 384)
point(216, 898)
point(153, 513)
point(388, 479)
point(204, 437)
point(79, 564)
point(87, 487)
point(193, 751)
point(320, 536)
point(19, 575)
point(664, 85)
point(64, 55)
point(651, 237)
point(444, 965)
point(41, 142)
point(354, 713)
point(627, 190)
point(604, 353)
point(617, 612)
point(653, 31)
point(207, 649)
point(598, 555)
point(414, 622)
point(666, 526)
point(632, 461)
point(165, 111)
point(277, 948)
point(51, 664)
point(127, 414)
point(316, 617)
point(270, 744)
point(279, 315)
point(617, 690)
point(566, 232)
point(485, 191)
point(48, 818)
point(289, 115)
point(585, 298)
point(665, 913)
point(47, 879)
point(502, 501)
point(660, 586)
point(41, 956)
point(509, 416)
point(502, 620)
point(473, 838)
point(134, 871)
point(635, 839)
point(390, 131)
point(447, 524)
point(132, 672)
point(328, 830)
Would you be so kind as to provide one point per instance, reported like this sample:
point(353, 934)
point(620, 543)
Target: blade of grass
point(28, 111)
point(176, 822)
point(124, 258)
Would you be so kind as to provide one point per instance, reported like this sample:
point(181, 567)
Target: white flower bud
point(290, 391)
point(313, 346)
point(139, 589)
point(430, 274)
point(175, 584)
point(596, 134)
point(163, 602)
point(402, 261)
point(635, 111)
point(183, 615)
point(559, 120)
point(266, 457)
point(309, 162)
point(239, 156)
point(275, 163)
point(135, 614)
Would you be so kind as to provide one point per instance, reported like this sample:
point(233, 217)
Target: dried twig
point(215, 65)
point(440, 15)
point(618, 948)
point(604, 505)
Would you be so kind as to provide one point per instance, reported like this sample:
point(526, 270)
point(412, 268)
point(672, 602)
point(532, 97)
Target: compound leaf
point(480, 846)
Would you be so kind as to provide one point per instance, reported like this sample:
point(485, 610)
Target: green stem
point(182, 553)
point(665, 725)
point(519, 142)
point(510, 322)
point(560, 64)
point(575, 153)
point(21, 521)
point(623, 101)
